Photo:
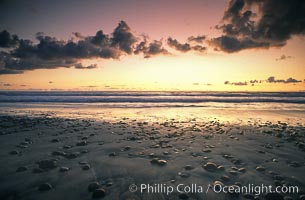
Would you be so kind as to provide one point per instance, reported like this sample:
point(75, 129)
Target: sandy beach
point(46, 155)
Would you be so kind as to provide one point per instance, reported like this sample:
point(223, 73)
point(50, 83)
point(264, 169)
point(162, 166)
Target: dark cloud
point(283, 57)
point(51, 82)
point(7, 85)
point(7, 40)
point(231, 44)
point(199, 48)
point(173, 43)
point(78, 35)
point(198, 39)
point(178, 46)
point(150, 49)
point(260, 24)
point(239, 83)
point(272, 79)
point(81, 66)
point(255, 81)
point(124, 38)
point(236, 83)
point(50, 53)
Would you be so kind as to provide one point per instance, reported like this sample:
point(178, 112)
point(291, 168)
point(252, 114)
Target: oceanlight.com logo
point(217, 187)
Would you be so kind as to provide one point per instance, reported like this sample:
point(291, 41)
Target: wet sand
point(51, 157)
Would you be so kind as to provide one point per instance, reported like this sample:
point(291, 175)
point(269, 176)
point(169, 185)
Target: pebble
point(47, 164)
point(86, 167)
point(210, 166)
point(243, 170)
point(157, 161)
point(58, 153)
point(113, 154)
point(188, 167)
point(183, 175)
point(98, 193)
point(260, 168)
point(93, 186)
point(81, 143)
point(233, 172)
point(45, 187)
point(206, 150)
point(162, 162)
point(72, 155)
point(64, 169)
point(218, 185)
point(126, 148)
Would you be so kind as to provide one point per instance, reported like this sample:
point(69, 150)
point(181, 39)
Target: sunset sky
point(201, 45)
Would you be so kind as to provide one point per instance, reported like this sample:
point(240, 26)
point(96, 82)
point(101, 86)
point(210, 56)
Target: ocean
point(225, 105)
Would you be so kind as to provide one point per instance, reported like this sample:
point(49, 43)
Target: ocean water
point(225, 106)
point(152, 97)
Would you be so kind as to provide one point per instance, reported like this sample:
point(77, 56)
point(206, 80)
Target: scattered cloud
point(259, 24)
point(81, 66)
point(283, 57)
point(90, 86)
point(272, 79)
point(150, 49)
point(7, 84)
point(236, 83)
point(197, 39)
point(173, 43)
point(49, 53)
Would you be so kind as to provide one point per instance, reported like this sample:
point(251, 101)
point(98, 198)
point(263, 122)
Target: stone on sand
point(86, 167)
point(47, 164)
point(210, 166)
point(81, 143)
point(64, 169)
point(260, 168)
point(93, 186)
point(162, 162)
point(45, 187)
point(98, 193)
point(188, 167)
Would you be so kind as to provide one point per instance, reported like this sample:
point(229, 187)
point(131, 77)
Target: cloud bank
point(270, 79)
point(48, 52)
point(260, 24)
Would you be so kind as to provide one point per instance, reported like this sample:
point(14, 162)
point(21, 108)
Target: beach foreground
point(50, 157)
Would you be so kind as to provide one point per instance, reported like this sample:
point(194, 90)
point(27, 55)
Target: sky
point(195, 45)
